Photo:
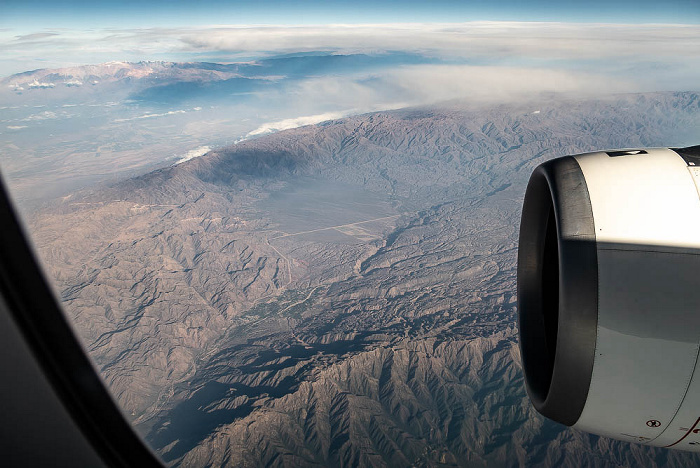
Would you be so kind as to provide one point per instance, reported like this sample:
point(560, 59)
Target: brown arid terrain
point(340, 294)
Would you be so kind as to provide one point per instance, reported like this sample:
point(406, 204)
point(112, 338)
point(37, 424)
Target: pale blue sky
point(28, 14)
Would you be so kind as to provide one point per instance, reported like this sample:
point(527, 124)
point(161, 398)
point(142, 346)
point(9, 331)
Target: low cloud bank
point(286, 124)
point(36, 84)
point(483, 39)
point(195, 153)
point(46, 115)
point(152, 116)
point(427, 84)
point(416, 85)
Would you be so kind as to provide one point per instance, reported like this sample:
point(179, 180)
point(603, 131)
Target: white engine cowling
point(609, 294)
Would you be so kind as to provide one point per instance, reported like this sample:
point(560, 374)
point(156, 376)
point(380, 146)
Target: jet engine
point(609, 294)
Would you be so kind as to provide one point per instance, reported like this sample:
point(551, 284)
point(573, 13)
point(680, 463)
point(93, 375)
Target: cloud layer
point(410, 64)
point(487, 40)
point(286, 124)
point(482, 42)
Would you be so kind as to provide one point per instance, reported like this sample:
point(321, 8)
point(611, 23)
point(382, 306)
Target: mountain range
point(341, 294)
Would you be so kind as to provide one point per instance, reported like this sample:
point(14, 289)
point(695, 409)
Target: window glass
point(286, 233)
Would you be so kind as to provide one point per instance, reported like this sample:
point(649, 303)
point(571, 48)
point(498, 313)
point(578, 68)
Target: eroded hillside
point(337, 295)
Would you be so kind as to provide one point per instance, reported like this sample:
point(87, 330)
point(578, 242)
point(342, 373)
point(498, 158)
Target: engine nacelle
point(609, 294)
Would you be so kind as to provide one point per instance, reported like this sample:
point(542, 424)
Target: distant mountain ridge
point(161, 73)
point(111, 72)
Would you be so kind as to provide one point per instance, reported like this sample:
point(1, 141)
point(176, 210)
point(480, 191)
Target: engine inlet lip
point(558, 290)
